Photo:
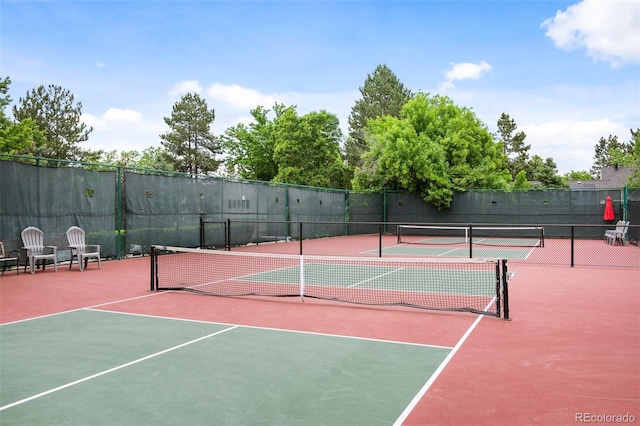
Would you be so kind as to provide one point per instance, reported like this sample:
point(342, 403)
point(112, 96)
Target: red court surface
point(569, 353)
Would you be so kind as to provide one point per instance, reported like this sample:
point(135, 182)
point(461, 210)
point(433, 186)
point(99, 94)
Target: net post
point(498, 289)
point(505, 291)
point(227, 235)
point(542, 236)
point(153, 268)
point(302, 277)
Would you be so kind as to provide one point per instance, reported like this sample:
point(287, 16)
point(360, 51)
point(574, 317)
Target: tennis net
point(517, 236)
point(470, 285)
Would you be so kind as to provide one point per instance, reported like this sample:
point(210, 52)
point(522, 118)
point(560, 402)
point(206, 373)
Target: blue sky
point(568, 72)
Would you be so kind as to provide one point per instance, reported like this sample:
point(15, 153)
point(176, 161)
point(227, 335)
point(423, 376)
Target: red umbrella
point(608, 209)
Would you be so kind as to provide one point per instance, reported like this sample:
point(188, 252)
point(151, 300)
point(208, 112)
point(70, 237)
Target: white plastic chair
point(33, 245)
point(609, 234)
point(619, 234)
point(80, 250)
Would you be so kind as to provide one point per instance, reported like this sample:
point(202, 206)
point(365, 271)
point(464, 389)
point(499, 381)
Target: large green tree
point(382, 94)
point(544, 171)
point(307, 149)
point(285, 147)
point(513, 145)
point(434, 148)
point(249, 147)
point(56, 114)
point(190, 145)
point(17, 138)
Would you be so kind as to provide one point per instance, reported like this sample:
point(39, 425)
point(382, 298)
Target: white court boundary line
point(283, 330)
point(111, 370)
point(229, 328)
point(83, 308)
point(416, 399)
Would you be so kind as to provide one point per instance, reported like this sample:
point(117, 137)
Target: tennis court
point(99, 347)
point(233, 374)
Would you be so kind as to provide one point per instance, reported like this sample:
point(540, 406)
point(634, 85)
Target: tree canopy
point(513, 145)
point(382, 94)
point(302, 150)
point(150, 158)
point(53, 112)
point(433, 148)
point(249, 147)
point(190, 146)
point(610, 152)
point(307, 149)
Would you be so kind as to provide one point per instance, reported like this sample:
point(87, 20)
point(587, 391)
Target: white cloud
point(184, 87)
point(608, 30)
point(91, 121)
point(122, 130)
point(100, 64)
point(110, 116)
point(238, 97)
point(570, 143)
point(115, 114)
point(463, 71)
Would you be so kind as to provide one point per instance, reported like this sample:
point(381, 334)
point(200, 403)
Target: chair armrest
point(53, 249)
point(92, 248)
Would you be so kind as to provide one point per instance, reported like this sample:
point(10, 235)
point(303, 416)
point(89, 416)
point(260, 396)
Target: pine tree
point(382, 94)
point(190, 145)
point(57, 115)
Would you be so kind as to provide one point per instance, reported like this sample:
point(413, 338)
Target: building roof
point(610, 177)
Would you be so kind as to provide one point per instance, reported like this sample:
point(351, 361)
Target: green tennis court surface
point(461, 252)
point(103, 368)
point(451, 281)
point(520, 242)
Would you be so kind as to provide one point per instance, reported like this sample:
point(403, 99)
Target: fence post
point(572, 244)
point(201, 233)
point(300, 234)
point(625, 201)
point(380, 239)
point(119, 221)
